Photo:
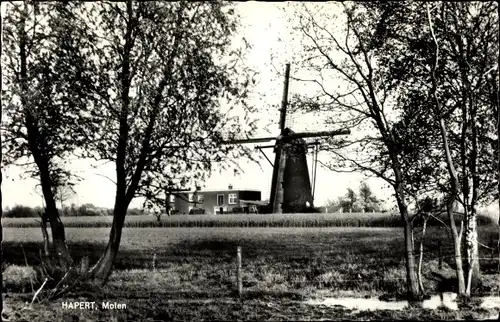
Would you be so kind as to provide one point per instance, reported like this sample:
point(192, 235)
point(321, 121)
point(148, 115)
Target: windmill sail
point(290, 184)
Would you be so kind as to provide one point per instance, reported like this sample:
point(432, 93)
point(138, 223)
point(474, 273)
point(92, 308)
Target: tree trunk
point(58, 238)
point(45, 235)
point(452, 197)
point(471, 237)
point(472, 252)
point(421, 258)
point(57, 227)
point(411, 267)
point(456, 238)
point(454, 183)
point(102, 270)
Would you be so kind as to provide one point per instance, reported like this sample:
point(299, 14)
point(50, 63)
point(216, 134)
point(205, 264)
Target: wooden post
point(284, 101)
point(276, 198)
point(239, 279)
point(440, 256)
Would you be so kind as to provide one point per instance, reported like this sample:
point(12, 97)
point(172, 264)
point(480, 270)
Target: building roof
point(219, 190)
point(255, 202)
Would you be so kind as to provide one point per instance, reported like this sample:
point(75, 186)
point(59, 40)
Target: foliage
point(153, 87)
point(366, 201)
point(367, 101)
point(1, 166)
point(452, 78)
point(19, 211)
point(46, 90)
point(429, 205)
point(467, 74)
point(47, 94)
point(64, 193)
point(85, 210)
point(197, 211)
point(157, 106)
point(167, 87)
point(383, 57)
point(369, 201)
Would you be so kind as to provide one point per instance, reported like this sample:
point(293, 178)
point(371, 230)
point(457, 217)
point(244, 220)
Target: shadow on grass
point(29, 253)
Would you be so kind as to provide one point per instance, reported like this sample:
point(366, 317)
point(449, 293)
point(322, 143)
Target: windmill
point(290, 186)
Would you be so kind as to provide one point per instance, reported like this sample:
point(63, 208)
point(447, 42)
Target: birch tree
point(453, 177)
point(353, 86)
point(469, 38)
point(454, 63)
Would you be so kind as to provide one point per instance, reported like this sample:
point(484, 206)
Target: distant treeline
point(84, 210)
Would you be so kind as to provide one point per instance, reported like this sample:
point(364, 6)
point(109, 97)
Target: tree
point(368, 200)
point(159, 83)
point(347, 203)
point(1, 149)
point(367, 100)
point(46, 95)
point(333, 205)
point(496, 98)
point(352, 200)
point(454, 184)
point(64, 193)
point(351, 203)
point(459, 92)
point(469, 45)
point(388, 55)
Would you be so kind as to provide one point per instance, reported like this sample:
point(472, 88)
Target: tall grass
point(240, 220)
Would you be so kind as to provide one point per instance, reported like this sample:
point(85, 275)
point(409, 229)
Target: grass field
point(194, 277)
point(240, 220)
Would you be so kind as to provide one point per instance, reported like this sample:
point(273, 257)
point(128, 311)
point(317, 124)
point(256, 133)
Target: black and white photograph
point(249, 161)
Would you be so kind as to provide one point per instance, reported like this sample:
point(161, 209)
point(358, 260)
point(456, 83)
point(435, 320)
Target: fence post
point(440, 255)
point(239, 279)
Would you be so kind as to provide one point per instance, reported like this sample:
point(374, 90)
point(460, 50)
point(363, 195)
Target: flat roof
point(217, 190)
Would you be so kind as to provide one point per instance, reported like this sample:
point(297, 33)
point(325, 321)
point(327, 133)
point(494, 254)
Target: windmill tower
point(290, 184)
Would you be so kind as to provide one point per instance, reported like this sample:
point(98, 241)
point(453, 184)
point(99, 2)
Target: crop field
point(189, 273)
point(227, 220)
point(239, 220)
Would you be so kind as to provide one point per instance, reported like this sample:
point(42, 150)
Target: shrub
point(238, 210)
point(197, 211)
point(132, 212)
point(86, 210)
point(19, 278)
point(314, 210)
point(485, 220)
point(21, 212)
point(264, 209)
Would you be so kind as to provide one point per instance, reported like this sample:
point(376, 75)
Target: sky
point(266, 30)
